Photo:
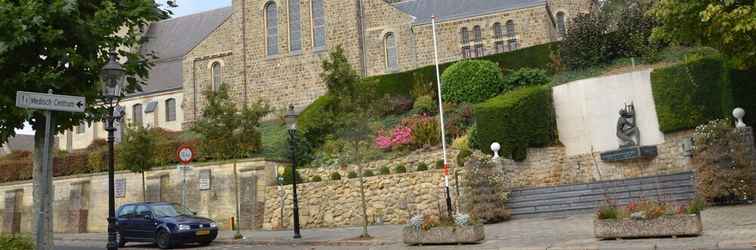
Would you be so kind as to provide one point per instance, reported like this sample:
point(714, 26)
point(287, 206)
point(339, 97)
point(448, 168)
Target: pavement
point(732, 227)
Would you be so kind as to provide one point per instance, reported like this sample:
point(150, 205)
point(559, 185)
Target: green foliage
point(318, 119)
point(316, 179)
point(517, 120)
point(335, 176)
point(525, 77)
point(696, 205)
point(400, 169)
point(458, 118)
point(439, 164)
point(585, 45)
point(352, 175)
point(472, 81)
point(689, 94)
point(728, 26)
point(385, 171)
point(96, 159)
point(422, 167)
point(15, 242)
point(287, 180)
point(723, 163)
point(607, 212)
point(424, 105)
point(137, 148)
point(339, 77)
point(224, 131)
point(425, 131)
point(462, 156)
point(302, 148)
point(74, 37)
point(368, 173)
point(743, 89)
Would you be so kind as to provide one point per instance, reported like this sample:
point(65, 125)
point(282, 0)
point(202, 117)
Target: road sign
point(185, 154)
point(44, 101)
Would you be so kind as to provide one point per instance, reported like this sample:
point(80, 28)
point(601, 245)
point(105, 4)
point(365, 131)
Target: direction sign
point(185, 154)
point(45, 101)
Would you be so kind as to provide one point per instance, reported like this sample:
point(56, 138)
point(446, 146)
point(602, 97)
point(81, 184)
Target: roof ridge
point(195, 14)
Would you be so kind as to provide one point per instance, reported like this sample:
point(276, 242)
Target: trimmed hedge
point(517, 120)
point(690, 94)
point(472, 81)
point(538, 56)
point(317, 119)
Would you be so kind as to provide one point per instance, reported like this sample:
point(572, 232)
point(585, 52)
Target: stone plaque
point(120, 188)
point(204, 180)
point(630, 153)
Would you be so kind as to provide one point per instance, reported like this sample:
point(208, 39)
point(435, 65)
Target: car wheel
point(163, 240)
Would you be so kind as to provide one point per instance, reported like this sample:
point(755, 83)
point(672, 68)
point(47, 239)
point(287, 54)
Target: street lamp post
point(112, 76)
point(291, 122)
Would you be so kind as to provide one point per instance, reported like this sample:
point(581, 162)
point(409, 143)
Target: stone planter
point(677, 225)
point(444, 235)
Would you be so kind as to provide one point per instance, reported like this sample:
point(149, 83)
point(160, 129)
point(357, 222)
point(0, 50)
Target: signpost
point(184, 154)
point(43, 175)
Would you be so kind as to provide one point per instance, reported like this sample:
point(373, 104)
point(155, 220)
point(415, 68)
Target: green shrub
point(400, 169)
point(472, 81)
point(368, 173)
point(287, 180)
point(335, 176)
point(15, 242)
point(525, 77)
point(439, 164)
point(462, 156)
point(352, 175)
point(743, 84)
point(517, 120)
point(317, 120)
point(385, 170)
point(316, 179)
point(422, 167)
point(689, 94)
point(424, 105)
point(425, 130)
point(696, 205)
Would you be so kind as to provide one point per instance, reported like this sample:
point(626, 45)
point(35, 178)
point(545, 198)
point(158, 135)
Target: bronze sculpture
point(627, 129)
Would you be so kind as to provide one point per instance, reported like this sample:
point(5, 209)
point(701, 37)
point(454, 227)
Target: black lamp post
point(112, 76)
point(291, 122)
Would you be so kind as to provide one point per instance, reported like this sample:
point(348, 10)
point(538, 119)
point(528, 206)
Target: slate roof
point(423, 10)
point(170, 40)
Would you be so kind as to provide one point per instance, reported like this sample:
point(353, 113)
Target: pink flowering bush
point(400, 136)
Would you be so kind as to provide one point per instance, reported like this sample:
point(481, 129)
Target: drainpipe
point(361, 36)
point(244, 49)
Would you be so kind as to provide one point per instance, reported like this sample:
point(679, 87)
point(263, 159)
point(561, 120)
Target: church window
point(478, 35)
point(318, 24)
point(465, 34)
point(170, 110)
point(561, 26)
point(271, 24)
point(136, 114)
point(81, 128)
point(498, 36)
point(391, 55)
point(295, 29)
point(512, 42)
point(217, 72)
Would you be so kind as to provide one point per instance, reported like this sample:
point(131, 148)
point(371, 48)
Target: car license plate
point(203, 232)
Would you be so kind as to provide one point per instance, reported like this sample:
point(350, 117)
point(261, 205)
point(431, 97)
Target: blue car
point(165, 224)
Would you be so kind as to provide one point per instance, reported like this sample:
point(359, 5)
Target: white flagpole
point(441, 117)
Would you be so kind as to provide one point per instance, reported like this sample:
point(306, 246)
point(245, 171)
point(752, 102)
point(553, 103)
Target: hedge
point(538, 56)
point(317, 119)
point(690, 94)
point(517, 120)
point(472, 81)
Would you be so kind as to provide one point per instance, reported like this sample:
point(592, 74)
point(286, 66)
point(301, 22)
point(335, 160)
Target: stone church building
point(272, 50)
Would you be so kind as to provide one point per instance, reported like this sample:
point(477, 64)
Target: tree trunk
point(144, 188)
point(362, 193)
point(42, 194)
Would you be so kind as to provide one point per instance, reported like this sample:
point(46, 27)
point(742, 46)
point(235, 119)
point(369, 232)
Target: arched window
point(465, 37)
point(391, 56)
point(136, 114)
point(561, 26)
point(512, 43)
point(217, 73)
point(478, 36)
point(170, 110)
point(498, 36)
point(271, 24)
point(295, 29)
point(318, 24)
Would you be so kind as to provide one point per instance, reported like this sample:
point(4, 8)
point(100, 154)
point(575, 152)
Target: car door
point(124, 217)
point(143, 223)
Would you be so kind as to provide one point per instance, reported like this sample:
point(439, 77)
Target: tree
point(61, 46)
point(136, 152)
point(356, 130)
point(729, 26)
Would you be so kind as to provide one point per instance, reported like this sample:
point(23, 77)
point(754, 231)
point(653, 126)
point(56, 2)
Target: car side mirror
point(148, 216)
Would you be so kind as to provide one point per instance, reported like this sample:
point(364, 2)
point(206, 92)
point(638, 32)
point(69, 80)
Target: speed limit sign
point(185, 154)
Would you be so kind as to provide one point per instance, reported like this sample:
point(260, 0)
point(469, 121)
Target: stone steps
point(585, 198)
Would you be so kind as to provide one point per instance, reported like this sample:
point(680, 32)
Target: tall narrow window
point(466, 53)
point(478, 36)
point(81, 128)
point(561, 27)
point(512, 43)
point(391, 57)
point(318, 24)
point(136, 114)
point(170, 110)
point(498, 36)
point(271, 23)
point(217, 75)
point(295, 29)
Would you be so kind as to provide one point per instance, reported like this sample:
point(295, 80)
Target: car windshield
point(168, 210)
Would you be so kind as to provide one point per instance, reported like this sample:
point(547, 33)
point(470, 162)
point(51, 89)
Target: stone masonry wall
point(84, 198)
point(391, 199)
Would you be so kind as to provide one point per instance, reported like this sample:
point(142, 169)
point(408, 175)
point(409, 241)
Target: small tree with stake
point(136, 152)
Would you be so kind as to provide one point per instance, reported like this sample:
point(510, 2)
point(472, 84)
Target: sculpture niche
point(628, 134)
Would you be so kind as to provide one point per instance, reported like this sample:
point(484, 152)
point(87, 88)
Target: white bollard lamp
point(739, 113)
point(495, 147)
